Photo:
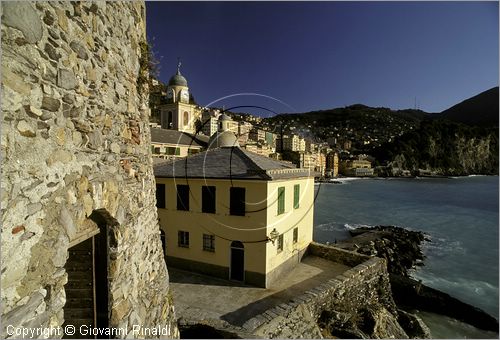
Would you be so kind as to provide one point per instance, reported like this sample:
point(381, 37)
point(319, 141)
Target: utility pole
point(281, 133)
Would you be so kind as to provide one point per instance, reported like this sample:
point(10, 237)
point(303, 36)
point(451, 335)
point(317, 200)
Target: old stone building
point(80, 236)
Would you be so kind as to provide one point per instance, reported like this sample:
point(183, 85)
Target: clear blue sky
point(321, 55)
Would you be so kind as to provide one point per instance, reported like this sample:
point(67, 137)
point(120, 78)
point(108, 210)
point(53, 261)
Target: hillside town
point(181, 128)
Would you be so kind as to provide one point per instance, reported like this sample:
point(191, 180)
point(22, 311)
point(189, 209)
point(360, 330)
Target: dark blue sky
point(323, 55)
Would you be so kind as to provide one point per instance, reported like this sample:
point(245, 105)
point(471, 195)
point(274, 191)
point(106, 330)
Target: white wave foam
point(469, 287)
point(344, 180)
point(356, 225)
point(329, 227)
point(442, 246)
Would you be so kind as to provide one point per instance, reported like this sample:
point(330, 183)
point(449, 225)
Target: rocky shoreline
point(402, 250)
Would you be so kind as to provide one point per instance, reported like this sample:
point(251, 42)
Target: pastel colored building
point(173, 144)
point(231, 213)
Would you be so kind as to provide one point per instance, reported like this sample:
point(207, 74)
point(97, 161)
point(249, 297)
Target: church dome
point(178, 79)
point(224, 139)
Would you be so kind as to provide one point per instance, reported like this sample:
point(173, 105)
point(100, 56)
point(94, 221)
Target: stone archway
point(87, 290)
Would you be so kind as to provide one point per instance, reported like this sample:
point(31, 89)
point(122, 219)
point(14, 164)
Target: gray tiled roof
point(227, 163)
point(177, 137)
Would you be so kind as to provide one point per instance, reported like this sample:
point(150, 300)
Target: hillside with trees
point(365, 127)
point(480, 110)
point(442, 147)
point(462, 140)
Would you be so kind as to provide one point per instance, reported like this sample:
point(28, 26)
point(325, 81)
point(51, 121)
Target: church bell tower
point(179, 113)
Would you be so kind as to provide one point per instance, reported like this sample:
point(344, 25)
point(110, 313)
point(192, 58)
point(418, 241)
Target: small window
point(237, 201)
point(281, 200)
point(208, 199)
point(183, 197)
point(160, 196)
point(208, 242)
point(280, 243)
point(183, 239)
point(177, 151)
point(295, 235)
point(169, 120)
point(296, 196)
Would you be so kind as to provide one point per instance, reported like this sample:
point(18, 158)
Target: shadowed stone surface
point(76, 162)
point(202, 297)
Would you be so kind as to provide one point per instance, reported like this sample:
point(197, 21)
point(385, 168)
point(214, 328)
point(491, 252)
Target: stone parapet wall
point(366, 284)
point(332, 253)
point(75, 156)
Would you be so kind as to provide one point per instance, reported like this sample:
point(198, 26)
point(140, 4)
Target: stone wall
point(340, 307)
point(76, 160)
point(349, 258)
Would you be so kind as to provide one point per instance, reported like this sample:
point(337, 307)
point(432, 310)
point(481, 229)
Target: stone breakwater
point(398, 246)
point(355, 304)
point(402, 250)
point(77, 162)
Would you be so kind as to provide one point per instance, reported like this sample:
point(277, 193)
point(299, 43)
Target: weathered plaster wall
point(75, 141)
point(343, 300)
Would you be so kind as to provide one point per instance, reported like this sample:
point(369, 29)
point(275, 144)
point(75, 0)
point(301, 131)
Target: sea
point(460, 216)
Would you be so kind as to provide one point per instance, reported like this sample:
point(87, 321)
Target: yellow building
point(294, 143)
point(230, 213)
point(172, 144)
point(332, 164)
point(356, 167)
point(259, 148)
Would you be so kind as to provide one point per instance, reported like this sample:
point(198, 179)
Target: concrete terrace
point(199, 297)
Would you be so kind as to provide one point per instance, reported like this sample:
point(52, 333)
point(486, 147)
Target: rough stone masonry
point(76, 160)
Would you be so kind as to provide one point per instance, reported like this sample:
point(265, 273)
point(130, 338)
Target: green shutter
point(296, 195)
point(281, 200)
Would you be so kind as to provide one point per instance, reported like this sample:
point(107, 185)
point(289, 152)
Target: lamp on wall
point(273, 235)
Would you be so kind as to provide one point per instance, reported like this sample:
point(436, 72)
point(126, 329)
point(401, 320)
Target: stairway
point(79, 308)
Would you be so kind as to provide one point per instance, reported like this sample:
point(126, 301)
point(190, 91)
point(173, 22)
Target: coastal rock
point(399, 246)
point(413, 325)
point(402, 250)
point(413, 294)
point(367, 323)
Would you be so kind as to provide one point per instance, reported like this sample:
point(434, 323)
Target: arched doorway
point(87, 290)
point(237, 269)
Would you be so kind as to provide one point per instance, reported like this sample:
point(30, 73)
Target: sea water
point(459, 215)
